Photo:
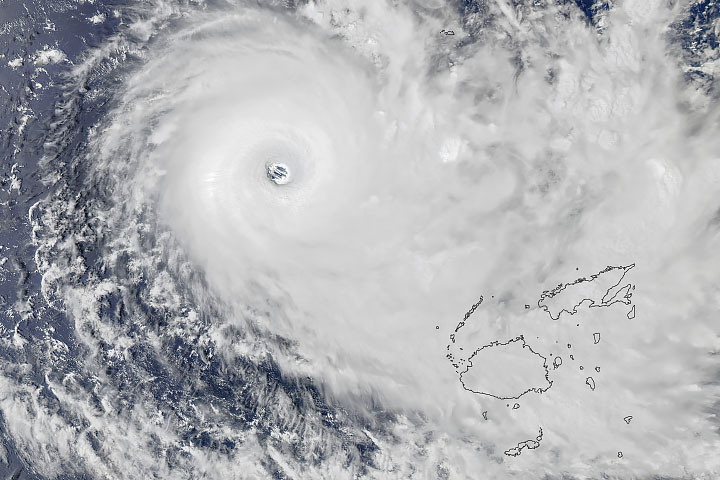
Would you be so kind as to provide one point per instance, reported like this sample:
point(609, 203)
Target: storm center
point(278, 173)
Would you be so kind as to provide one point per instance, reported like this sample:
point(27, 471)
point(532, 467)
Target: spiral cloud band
point(377, 239)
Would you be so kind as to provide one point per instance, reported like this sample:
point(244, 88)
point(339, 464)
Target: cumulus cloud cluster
point(427, 169)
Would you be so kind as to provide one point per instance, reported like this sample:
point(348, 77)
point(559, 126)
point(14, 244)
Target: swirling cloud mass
point(199, 319)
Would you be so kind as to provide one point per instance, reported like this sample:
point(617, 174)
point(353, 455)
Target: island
point(601, 289)
point(529, 444)
point(506, 370)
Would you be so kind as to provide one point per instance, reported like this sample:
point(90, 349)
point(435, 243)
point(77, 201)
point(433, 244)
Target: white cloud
point(426, 174)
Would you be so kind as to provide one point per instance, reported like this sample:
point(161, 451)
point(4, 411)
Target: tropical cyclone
point(199, 318)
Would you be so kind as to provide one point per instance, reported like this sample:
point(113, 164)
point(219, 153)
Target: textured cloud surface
point(231, 327)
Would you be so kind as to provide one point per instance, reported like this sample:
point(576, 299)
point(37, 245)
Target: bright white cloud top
point(328, 189)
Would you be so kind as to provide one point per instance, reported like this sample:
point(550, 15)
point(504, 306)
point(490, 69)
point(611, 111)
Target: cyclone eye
point(279, 173)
